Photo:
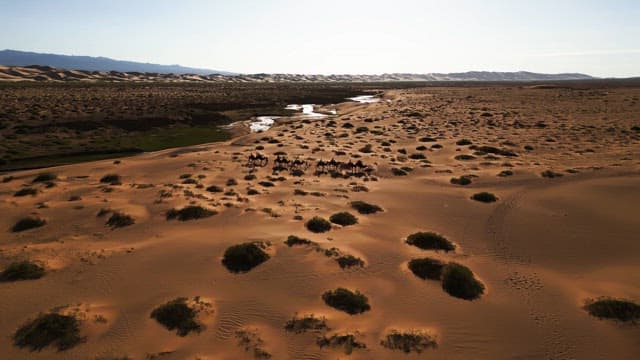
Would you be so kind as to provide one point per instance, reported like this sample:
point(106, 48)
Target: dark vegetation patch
point(613, 309)
point(177, 315)
point(111, 179)
point(343, 218)
point(348, 342)
point(426, 268)
point(464, 157)
point(398, 172)
point(244, 257)
point(25, 191)
point(550, 174)
point(306, 323)
point(318, 225)
point(463, 142)
point(214, 189)
point(485, 197)
point(347, 261)
point(60, 331)
point(30, 222)
point(493, 150)
point(118, 220)
point(22, 270)
point(462, 180)
point(365, 208)
point(293, 240)
point(430, 241)
point(345, 300)
point(252, 343)
point(44, 177)
point(409, 341)
point(459, 281)
point(505, 173)
point(191, 212)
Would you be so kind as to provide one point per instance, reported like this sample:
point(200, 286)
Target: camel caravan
point(299, 166)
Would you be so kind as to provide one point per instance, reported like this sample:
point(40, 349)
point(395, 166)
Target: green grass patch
point(459, 281)
point(22, 270)
point(346, 300)
point(343, 218)
point(613, 309)
point(60, 331)
point(430, 241)
point(177, 315)
point(244, 257)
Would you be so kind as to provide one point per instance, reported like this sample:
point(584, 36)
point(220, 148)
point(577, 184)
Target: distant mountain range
point(30, 66)
point(89, 63)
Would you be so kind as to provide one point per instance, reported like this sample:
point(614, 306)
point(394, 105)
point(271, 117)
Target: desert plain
point(562, 161)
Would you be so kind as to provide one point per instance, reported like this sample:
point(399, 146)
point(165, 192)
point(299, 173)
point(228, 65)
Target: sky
point(596, 37)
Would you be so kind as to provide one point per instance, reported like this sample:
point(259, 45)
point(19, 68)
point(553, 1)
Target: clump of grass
point(485, 197)
point(464, 157)
point(462, 180)
point(430, 241)
point(306, 323)
point(614, 309)
point(111, 179)
point(347, 342)
point(398, 172)
point(427, 139)
point(459, 281)
point(244, 257)
point(266, 184)
point(118, 220)
point(409, 341)
point(22, 270)
point(417, 156)
point(44, 177)
point(177, 315)
point(505, 173)
point(26, 191)
point(347, 261)
point(463, 142)
point(61, 331)
point(191, 212)
point(550, 174)
point(343, 218)
point(293, 240)
point(27, 223)
point(426, 268)
point(318, 225)
point(365, 208)
point(346, 300)
point(214, 189)
point(251, 341)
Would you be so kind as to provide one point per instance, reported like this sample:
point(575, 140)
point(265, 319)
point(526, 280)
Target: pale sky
point(600, 38)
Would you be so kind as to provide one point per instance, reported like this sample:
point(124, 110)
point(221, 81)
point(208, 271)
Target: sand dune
point(543, 248)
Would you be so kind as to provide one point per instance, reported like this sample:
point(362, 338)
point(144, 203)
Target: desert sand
point(543, 248)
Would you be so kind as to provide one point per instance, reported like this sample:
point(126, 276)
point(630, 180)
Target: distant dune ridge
point(30, 66)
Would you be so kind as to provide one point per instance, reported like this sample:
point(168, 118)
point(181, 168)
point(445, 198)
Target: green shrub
point(22, 270)
point(111, 179)
point(365, 208)
point(62, 331)
point(343, 218)
point(177, 315)
point(347, 342)
point(306, 323)
point(459, 281)
point(616, 309)
point(28, 223)
point(485, 197)
point(426, 268)
point(244, 257)
point(462, 180)
point(190, 213)
point(318, 225)
point(345, 300)
point(44, 177)
point(25, 191)
point(430, 241)
point(347, 261)
point(464, 157)
point(118, 220)
point(409, 341)
point(293, 240)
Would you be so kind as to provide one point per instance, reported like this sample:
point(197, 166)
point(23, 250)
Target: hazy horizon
point(338, 38)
